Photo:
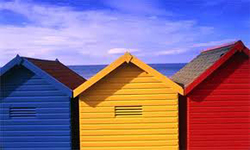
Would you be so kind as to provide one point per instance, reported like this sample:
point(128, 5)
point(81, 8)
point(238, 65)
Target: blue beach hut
point(37, 110)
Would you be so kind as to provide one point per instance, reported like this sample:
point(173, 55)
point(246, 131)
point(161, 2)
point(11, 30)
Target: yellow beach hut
point(128, 106)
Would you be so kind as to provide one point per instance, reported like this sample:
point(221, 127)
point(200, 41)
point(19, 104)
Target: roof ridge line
point(219, 46)
point(70, 69)
point(39, 59)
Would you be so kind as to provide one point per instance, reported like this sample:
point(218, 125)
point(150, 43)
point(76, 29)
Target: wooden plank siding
point(48, 127)
point(128, 85)
point(219, 108)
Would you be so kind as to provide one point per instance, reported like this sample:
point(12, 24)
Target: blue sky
point(82, 32)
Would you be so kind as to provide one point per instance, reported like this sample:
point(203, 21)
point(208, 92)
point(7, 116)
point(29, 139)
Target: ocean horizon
point(87, 71)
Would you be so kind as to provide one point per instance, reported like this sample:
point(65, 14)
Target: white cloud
point(183, 49)
point(213, 43)
point(86, 36)
point(225, 2)
point(172, 51)
point(141, 7)
point(121, 50)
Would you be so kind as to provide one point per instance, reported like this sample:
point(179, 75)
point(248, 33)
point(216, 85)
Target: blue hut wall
point(33, 113)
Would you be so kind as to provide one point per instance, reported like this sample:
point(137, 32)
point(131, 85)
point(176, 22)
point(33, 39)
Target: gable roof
point(205, 63)
point(53, 71)
point(126, 58)
point(59, 71)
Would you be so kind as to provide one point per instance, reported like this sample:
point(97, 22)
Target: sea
point(87, 71)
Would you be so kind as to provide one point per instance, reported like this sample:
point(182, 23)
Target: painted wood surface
point(128, 85)
point(49, 125)
point(128, 58)
point(219, 108)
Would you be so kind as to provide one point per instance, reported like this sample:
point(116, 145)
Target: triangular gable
point(126, 58)
point(15, 61)
point(237, 47)
point(29, 65)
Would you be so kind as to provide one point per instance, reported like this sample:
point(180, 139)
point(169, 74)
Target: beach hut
point(36, 105)
point(128, 106)
point(216, 112)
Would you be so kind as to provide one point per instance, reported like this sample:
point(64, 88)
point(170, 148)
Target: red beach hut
point(216, 113)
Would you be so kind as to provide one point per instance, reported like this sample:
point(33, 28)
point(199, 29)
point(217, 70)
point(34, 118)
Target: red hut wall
point(218, 112)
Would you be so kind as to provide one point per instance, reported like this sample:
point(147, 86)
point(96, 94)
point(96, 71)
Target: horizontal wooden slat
point(218, 97)
point(38, 133)
point(40, 116)
point(129, 120)
point(233, 75)
point(129, 97)
point(230, 114)
point(129, 74)
point(129, 137)
point(35, 122)
point(26, 145)
point(30, 88)
point(37, 139)
point(131, 91)
point(130, 80)
point(29, 82)
point(39, 104)
point(33, 93)
point(35, 99)
point(132, 148)
point(210, 132)
point(220, 125)
point(222, 103)
point(130, 126)
point(132, 143)
point(44, 111)
point(220, 147)
point(129, 102)
point(111, 109)
point(35, 127)
point(234, 81)
point(131, 86)
point(129, 132)
point(224, 92)
point(225, 86)
point(221, 143)
point(144, 114)
point(219, 109)
point(219, 120)
point(221, 137)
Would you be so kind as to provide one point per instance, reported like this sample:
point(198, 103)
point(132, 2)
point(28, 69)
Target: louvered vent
point(22, 112)
point(128, 111)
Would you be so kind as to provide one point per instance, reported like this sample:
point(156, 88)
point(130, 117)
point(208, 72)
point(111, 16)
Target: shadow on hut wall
point(209, 86)
point(182, 122)
point(112, 83)
point(13, 80)
point(75, 129)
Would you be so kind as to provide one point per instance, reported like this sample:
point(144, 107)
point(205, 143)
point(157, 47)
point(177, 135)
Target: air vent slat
point(128, 111)
point(16, 112)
